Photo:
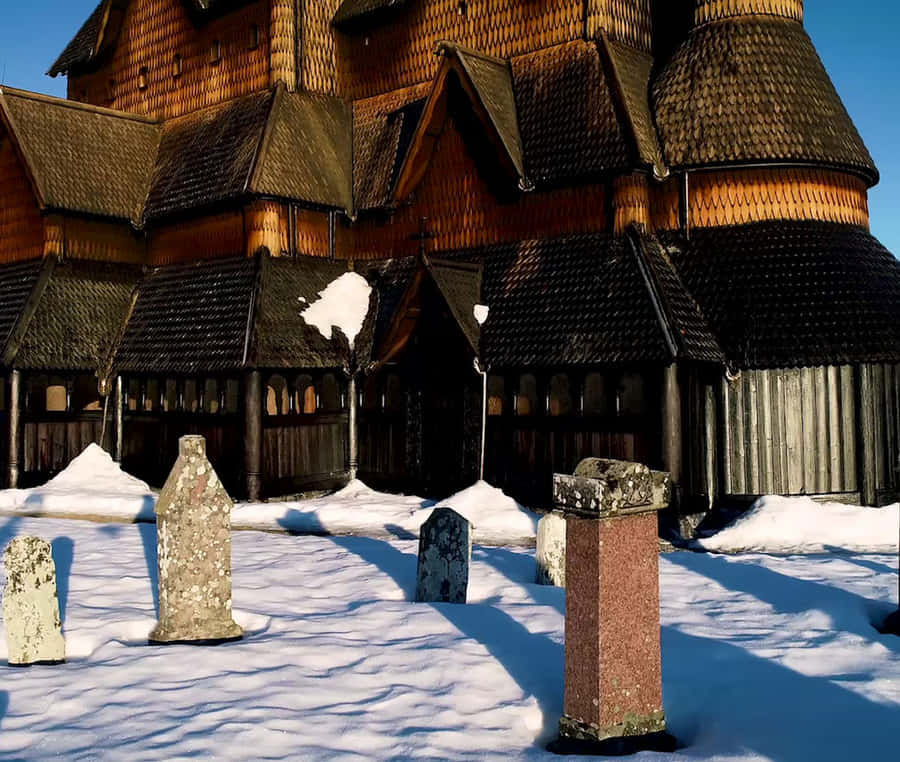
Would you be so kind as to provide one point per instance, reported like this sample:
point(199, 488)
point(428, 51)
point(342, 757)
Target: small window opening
point(254, 36)
point(143, 78)
point(215, 52)
point(462, 8)
point(176, 66)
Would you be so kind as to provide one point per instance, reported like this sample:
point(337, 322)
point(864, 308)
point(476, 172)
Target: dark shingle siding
point(754, 90)
point(190, 318)
point(793, 294)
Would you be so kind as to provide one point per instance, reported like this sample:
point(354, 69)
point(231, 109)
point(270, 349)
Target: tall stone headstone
point(613, 674)
point(30, 604)
point(551, 550)
point(193, 534)
point(445, 554)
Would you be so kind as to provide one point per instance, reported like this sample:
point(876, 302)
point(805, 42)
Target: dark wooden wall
point(879, 432)
point(303, 452)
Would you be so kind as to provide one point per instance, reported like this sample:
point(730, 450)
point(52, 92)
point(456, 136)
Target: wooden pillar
point(353, 431)
point(15, 407)
point(253, 433)
point(672, 428)
point(868, 487)
point(120, 419)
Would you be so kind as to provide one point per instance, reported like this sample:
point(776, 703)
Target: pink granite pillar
point(613, 691)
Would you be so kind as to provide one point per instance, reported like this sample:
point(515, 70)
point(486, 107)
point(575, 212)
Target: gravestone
point(613, 669)
point(193, 534)
point(551, 550)
point(30, 604)
point(445, 554)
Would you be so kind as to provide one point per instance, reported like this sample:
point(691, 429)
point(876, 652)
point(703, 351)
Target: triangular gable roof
point(487, 82)
point(81, 158)
point(460, 285)
point(21, 284)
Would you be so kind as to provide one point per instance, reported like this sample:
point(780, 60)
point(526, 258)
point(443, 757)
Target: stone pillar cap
point(603, 488)
point(192, 445)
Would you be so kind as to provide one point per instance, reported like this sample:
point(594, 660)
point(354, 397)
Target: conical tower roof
point(747, 88)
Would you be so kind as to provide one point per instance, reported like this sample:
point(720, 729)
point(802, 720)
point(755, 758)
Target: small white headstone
point(30, 604)
point(193, 534)
point(445, 554)
point(551, 550)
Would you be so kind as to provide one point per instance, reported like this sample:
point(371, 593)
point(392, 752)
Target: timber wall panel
point(738, 197)
point(462, 211)
point(880, 432)
point(153, 33)
point(217, 235)
point(790, 432)
point(50, 444)
point(93, 239)
point(21, 227)
point(303, 451)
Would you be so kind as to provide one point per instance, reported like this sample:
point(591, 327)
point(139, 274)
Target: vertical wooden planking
point(779, 451)
point(848, 426)
point(711, 443)
point(767, 456)
point(809, 448)
point(866, 436)
point(878, 427)
point(751, 413)
point(835, 444)
point(793, 430)
point(823, 454)
point(727, 437)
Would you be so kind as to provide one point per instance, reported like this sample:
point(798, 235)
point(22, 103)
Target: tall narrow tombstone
point(613, 673)
point(445, 554)
point(550, 552)
point(193, 534)
point(30, 604)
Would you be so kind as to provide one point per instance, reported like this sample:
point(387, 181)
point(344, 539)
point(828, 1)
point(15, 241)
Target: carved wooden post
point(253, 433)
point(613, 694)
point(353, 431)
point(672, 430)
point(119, 401)
point(15, 408)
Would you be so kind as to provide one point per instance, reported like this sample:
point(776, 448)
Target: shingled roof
point(578, 300)
point(793, 294)
point(753, 89)
point(18, 281)
point(77, 318)
point(82, 158)
point(273, 143)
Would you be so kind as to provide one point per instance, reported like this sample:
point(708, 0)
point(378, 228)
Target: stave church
point(624, 228)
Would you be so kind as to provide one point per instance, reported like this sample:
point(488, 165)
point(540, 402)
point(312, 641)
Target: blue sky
point(857, 41)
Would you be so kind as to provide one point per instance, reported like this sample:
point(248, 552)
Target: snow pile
point(495, 516)
point(355, 509)
point(764, 657)
point(800, 525)
point(92, 485)
point(343, 304)
point(481, 312)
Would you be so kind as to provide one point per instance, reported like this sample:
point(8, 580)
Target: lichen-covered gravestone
point(445, 554)
point(30, 604)
point(193, 531)
point(551, 550)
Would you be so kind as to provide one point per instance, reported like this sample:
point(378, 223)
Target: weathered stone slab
point(193, 528)
point(551, 550)
point(30, 604)
point(445, 555)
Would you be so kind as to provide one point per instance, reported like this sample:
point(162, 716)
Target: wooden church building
point(622, 228)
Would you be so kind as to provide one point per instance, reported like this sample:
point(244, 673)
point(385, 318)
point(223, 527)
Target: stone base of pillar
point(576, 738)
point(161, 640)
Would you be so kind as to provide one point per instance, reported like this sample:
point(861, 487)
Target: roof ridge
point(77, 105)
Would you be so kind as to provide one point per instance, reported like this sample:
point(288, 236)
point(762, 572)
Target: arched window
point(560, 395)
point(631, 397)
point(305, 395)
point(143, 78)
point(170, 398)
point(36, 394)
point(277, 396)
point(496, 395)
point(133, 395)
point(85, 394)
point(176, 66)
point(189, 396)
point(211, 396)
point(394, 396)
point(329, 393)
point(596, 398)
point(526, 395)
point(57, 397)
point(370, 398)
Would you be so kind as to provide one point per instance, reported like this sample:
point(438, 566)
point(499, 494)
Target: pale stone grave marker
point(193, 528)
point(445, 554)
point(30, 604)
point(551, 550)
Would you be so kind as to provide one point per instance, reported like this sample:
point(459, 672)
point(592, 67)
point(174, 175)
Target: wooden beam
point(672, 427)
point(253, 434)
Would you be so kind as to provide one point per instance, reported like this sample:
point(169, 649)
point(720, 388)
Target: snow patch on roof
point(343, 304)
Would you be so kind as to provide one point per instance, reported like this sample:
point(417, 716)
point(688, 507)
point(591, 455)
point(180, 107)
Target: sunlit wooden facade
point(606, 176)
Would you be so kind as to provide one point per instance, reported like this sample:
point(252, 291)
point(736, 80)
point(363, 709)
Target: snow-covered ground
point(763, 657)
point(93, 486)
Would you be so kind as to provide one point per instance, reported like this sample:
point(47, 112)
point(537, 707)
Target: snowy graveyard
point(767, 654)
